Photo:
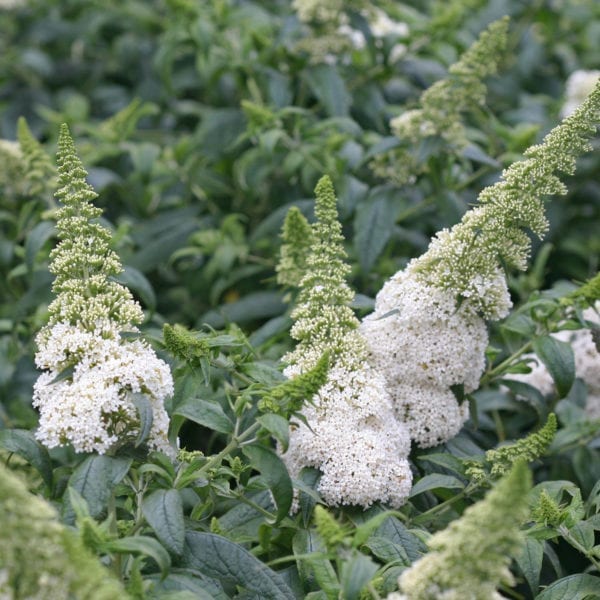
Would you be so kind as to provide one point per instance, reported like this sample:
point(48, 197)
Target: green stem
point(442, 507)
point(235, 443)
point(505, 363)
point(286, 559)
point(567, 536)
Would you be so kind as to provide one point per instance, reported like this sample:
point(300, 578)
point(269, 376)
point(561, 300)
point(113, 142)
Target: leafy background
point(200, 124)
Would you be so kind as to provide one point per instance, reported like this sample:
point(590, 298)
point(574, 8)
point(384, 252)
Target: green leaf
point(475, 153)
point(64, 374)
point(435, 481)
point(255, 305)
point(330, 90)
point(142, 544)
point(274, 472)
point(530, 562)
point(574, 587)
point(444, 460)
point(388, 551)
point(364, 530)
point(36, 239)
point(202, 588)
point(394, 530)
point(356, 573)
point(278, 427)
point(146, 414)
point(318, 568)
point(373, 227)
point(95, 479)
point(207, 413)
point(23, 443)
point(163, 510)
point(559, 360)
point(583, 533)
point(219, 558)
point(136, 281)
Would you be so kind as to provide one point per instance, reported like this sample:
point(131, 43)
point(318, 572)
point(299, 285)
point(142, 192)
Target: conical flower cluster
point(92, 377)
point(428, 333)
point(470, 558)
point(353, 436)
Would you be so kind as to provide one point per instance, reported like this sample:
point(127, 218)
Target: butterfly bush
point(93, 376)
point(442, 106)
point(428, 331)
point(351, 434)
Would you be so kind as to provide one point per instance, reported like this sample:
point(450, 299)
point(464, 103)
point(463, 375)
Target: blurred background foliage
point(202, 122)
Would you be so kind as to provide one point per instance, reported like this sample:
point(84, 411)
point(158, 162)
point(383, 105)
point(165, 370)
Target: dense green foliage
point(204, 128)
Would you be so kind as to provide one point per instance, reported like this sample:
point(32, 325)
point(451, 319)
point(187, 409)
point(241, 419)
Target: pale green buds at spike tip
point(442, 104)
point(470, 558)
point(40, 558)
point(322, 315)
point(83, 261)
point(297, 240)
point(39, 170)
point(441, 107)
point(468, 258)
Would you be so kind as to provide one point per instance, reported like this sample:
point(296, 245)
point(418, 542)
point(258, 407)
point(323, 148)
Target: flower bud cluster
point(93, 377)
point(352, 435)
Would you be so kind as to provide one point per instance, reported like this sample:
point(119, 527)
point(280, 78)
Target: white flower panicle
point(353, 436)
point(587, 363)
point(428, 332)
point(332, 37)
point(424, 345)
point(468, 258)
point(92, 376)
point(441, 108)
point(93, 408)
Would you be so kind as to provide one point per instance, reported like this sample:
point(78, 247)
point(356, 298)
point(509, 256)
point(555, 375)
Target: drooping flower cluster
point(92, 376)
point(428, 333)
point(587, 363)
point(442, 105)
point(40, 559)
point(470, 558)
point(425, 345)
point(353, 436)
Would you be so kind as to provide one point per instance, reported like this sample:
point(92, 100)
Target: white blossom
point(353, 437)
point(92, 409)
point(381, 25)
point(579, 85)
point(91, 375)
point(356, 37)
point(424, 345)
